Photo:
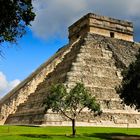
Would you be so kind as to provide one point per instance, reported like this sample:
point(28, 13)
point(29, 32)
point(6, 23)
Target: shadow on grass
point(104, 136)
point(113, 136)
point(36, 136)
point(50, 136)
point(28, 125)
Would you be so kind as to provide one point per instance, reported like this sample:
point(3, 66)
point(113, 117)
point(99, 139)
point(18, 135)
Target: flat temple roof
point(103, 18)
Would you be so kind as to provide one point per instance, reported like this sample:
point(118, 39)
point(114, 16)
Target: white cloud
point(5, 85)
point(54, 16)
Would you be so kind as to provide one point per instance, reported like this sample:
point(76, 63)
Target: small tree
point(129, 91)
point(71, 104)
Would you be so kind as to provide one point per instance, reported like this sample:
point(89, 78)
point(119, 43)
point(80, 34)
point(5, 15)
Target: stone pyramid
point(99, 49)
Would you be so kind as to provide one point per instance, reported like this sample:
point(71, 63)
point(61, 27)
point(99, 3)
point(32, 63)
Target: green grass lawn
point(64, 133)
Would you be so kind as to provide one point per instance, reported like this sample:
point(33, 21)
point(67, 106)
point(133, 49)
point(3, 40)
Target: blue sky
point(49, 32)
point(27, 55)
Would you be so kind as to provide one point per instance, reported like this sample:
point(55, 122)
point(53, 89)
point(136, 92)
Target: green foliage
point(15, 15)
point(71, 103)
point(56, 98)
point(129, 91)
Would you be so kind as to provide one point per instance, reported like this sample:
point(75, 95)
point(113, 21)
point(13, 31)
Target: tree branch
point(65, 114)
point(80, 110)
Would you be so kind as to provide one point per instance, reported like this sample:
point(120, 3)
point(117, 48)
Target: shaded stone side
point(98, 66)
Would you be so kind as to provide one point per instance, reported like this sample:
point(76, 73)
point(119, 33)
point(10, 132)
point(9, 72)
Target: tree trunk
point(73, 127)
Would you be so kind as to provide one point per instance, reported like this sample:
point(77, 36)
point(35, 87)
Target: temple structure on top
point(101, 25)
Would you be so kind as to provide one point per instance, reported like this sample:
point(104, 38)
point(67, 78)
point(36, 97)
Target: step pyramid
point(93, 57)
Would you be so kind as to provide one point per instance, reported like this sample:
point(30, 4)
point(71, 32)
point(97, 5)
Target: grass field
point(64, 133)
